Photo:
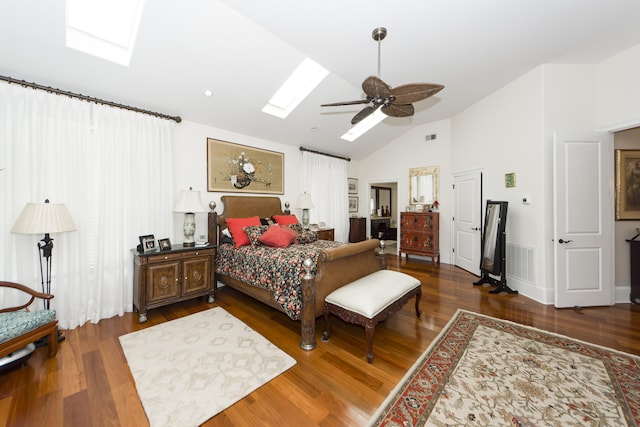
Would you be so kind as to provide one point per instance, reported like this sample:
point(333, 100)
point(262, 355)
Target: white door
point(467, 220)
point(583, 219)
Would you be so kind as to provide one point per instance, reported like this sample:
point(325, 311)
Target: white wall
point(190, 168)
point(392, 163)
point(503, 133)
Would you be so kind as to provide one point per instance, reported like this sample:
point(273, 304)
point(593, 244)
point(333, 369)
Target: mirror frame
point(493, 238)
point(429, 170)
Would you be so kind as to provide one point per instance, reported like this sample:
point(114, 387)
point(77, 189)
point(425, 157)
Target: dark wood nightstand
point(165, 277)
point(325, 234)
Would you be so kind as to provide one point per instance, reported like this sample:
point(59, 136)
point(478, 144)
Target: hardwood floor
point(89, 383)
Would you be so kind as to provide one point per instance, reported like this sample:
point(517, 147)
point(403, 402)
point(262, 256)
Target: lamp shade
point(44, 218)
point(189, 202)
point(304, 202)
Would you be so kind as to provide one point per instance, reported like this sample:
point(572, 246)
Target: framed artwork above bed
point(239, 168)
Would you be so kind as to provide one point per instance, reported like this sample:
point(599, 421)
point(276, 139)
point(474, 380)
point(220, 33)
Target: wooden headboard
point(242, 207)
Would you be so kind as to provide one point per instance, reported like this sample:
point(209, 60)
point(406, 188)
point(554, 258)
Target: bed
point(328, 266)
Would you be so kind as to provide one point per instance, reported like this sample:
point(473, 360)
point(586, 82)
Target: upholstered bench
point(371, 299)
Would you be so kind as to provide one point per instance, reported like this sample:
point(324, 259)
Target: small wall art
point(510, 180)
point(627, 184)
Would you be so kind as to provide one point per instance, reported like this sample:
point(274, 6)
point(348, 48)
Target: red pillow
point(236, 226)
point(285, 219)
point(278, 237)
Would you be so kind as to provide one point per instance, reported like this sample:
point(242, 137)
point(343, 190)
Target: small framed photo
point(165, 244)
point(148, 243)
point(353, 204)
point(353, 185)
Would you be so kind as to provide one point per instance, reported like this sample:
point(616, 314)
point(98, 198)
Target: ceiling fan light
point(364, 125)
point(300, 83)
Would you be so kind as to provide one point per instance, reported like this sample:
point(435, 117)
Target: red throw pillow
point(285, 219)
point(237, 224)
point(277, 237)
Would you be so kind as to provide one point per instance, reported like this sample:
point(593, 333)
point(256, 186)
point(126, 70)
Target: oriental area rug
point(189, 369)
point(482, 371)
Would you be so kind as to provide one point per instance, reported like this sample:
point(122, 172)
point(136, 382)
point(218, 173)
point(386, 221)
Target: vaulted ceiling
point(243, 51)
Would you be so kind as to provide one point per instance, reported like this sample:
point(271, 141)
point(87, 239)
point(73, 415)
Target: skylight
point(103, 28)
point(364, 125)
point(299, 84)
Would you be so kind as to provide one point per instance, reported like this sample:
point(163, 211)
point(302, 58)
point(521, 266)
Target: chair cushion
point(373, 293)
point(16, 323)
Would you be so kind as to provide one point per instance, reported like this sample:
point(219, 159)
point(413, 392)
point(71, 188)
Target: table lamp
point(304, 202)
point(190, 204)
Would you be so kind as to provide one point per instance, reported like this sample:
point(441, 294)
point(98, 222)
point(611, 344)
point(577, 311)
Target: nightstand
point(165, 277)
point(325, 233)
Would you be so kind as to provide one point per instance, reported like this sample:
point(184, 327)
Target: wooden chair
point(19, 327)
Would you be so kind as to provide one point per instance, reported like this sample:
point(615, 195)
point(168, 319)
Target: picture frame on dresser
point(148, 243)
point(164, 244)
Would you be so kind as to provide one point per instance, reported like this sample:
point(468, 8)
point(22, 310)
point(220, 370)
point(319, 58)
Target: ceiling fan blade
point(398, 110)
point(336, 104)
point(362, 114)
point(414, 92)
point(374, 87)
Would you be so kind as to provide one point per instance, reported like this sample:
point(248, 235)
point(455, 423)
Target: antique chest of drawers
point(420, 234)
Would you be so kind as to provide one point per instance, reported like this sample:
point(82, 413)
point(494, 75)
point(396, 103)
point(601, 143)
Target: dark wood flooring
point(89, 383)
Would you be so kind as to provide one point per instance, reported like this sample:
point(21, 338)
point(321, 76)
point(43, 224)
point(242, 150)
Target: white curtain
point(325, 179)
point(111, 167)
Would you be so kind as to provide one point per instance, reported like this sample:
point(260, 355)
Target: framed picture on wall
point(353, 185)
point(627, 184)
point(243, 169)
point(353, 204)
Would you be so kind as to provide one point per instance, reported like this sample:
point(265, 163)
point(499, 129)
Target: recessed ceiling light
point(364, 125)
point(208, 93)
point(299, 84)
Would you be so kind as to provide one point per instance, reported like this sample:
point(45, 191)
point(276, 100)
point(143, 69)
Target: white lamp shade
point(304, 202)
point(44, 218)
point(189, 202)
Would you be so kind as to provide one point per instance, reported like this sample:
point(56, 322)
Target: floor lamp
point(44, 218)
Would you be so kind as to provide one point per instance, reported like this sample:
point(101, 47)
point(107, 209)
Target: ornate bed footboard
point(335, 267)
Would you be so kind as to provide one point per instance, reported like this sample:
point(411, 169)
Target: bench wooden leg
point(370, 329)
point(418, 296)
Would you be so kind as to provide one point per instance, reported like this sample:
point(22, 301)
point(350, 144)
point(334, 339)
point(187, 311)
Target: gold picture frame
point(242, 169)
point(627, 185)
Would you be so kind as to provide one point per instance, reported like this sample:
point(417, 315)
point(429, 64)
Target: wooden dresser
point(420, 234)
point(161, 278)
point(357, 229)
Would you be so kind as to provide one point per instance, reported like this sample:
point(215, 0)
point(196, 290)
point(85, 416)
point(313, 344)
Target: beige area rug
point(189, 369)
point(482, 371)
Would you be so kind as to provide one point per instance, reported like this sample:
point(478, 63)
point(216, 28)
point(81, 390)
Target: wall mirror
point(380, 199)
point(423, 185)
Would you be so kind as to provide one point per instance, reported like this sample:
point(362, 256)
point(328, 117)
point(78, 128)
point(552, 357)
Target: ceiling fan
point(395, 102)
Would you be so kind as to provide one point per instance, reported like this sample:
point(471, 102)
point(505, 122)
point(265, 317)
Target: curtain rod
point(325, 154)
point(49, 89)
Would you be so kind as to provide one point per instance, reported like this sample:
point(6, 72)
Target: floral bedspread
point(277, 269)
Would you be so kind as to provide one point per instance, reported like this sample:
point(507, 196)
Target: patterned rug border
point(631, 386)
